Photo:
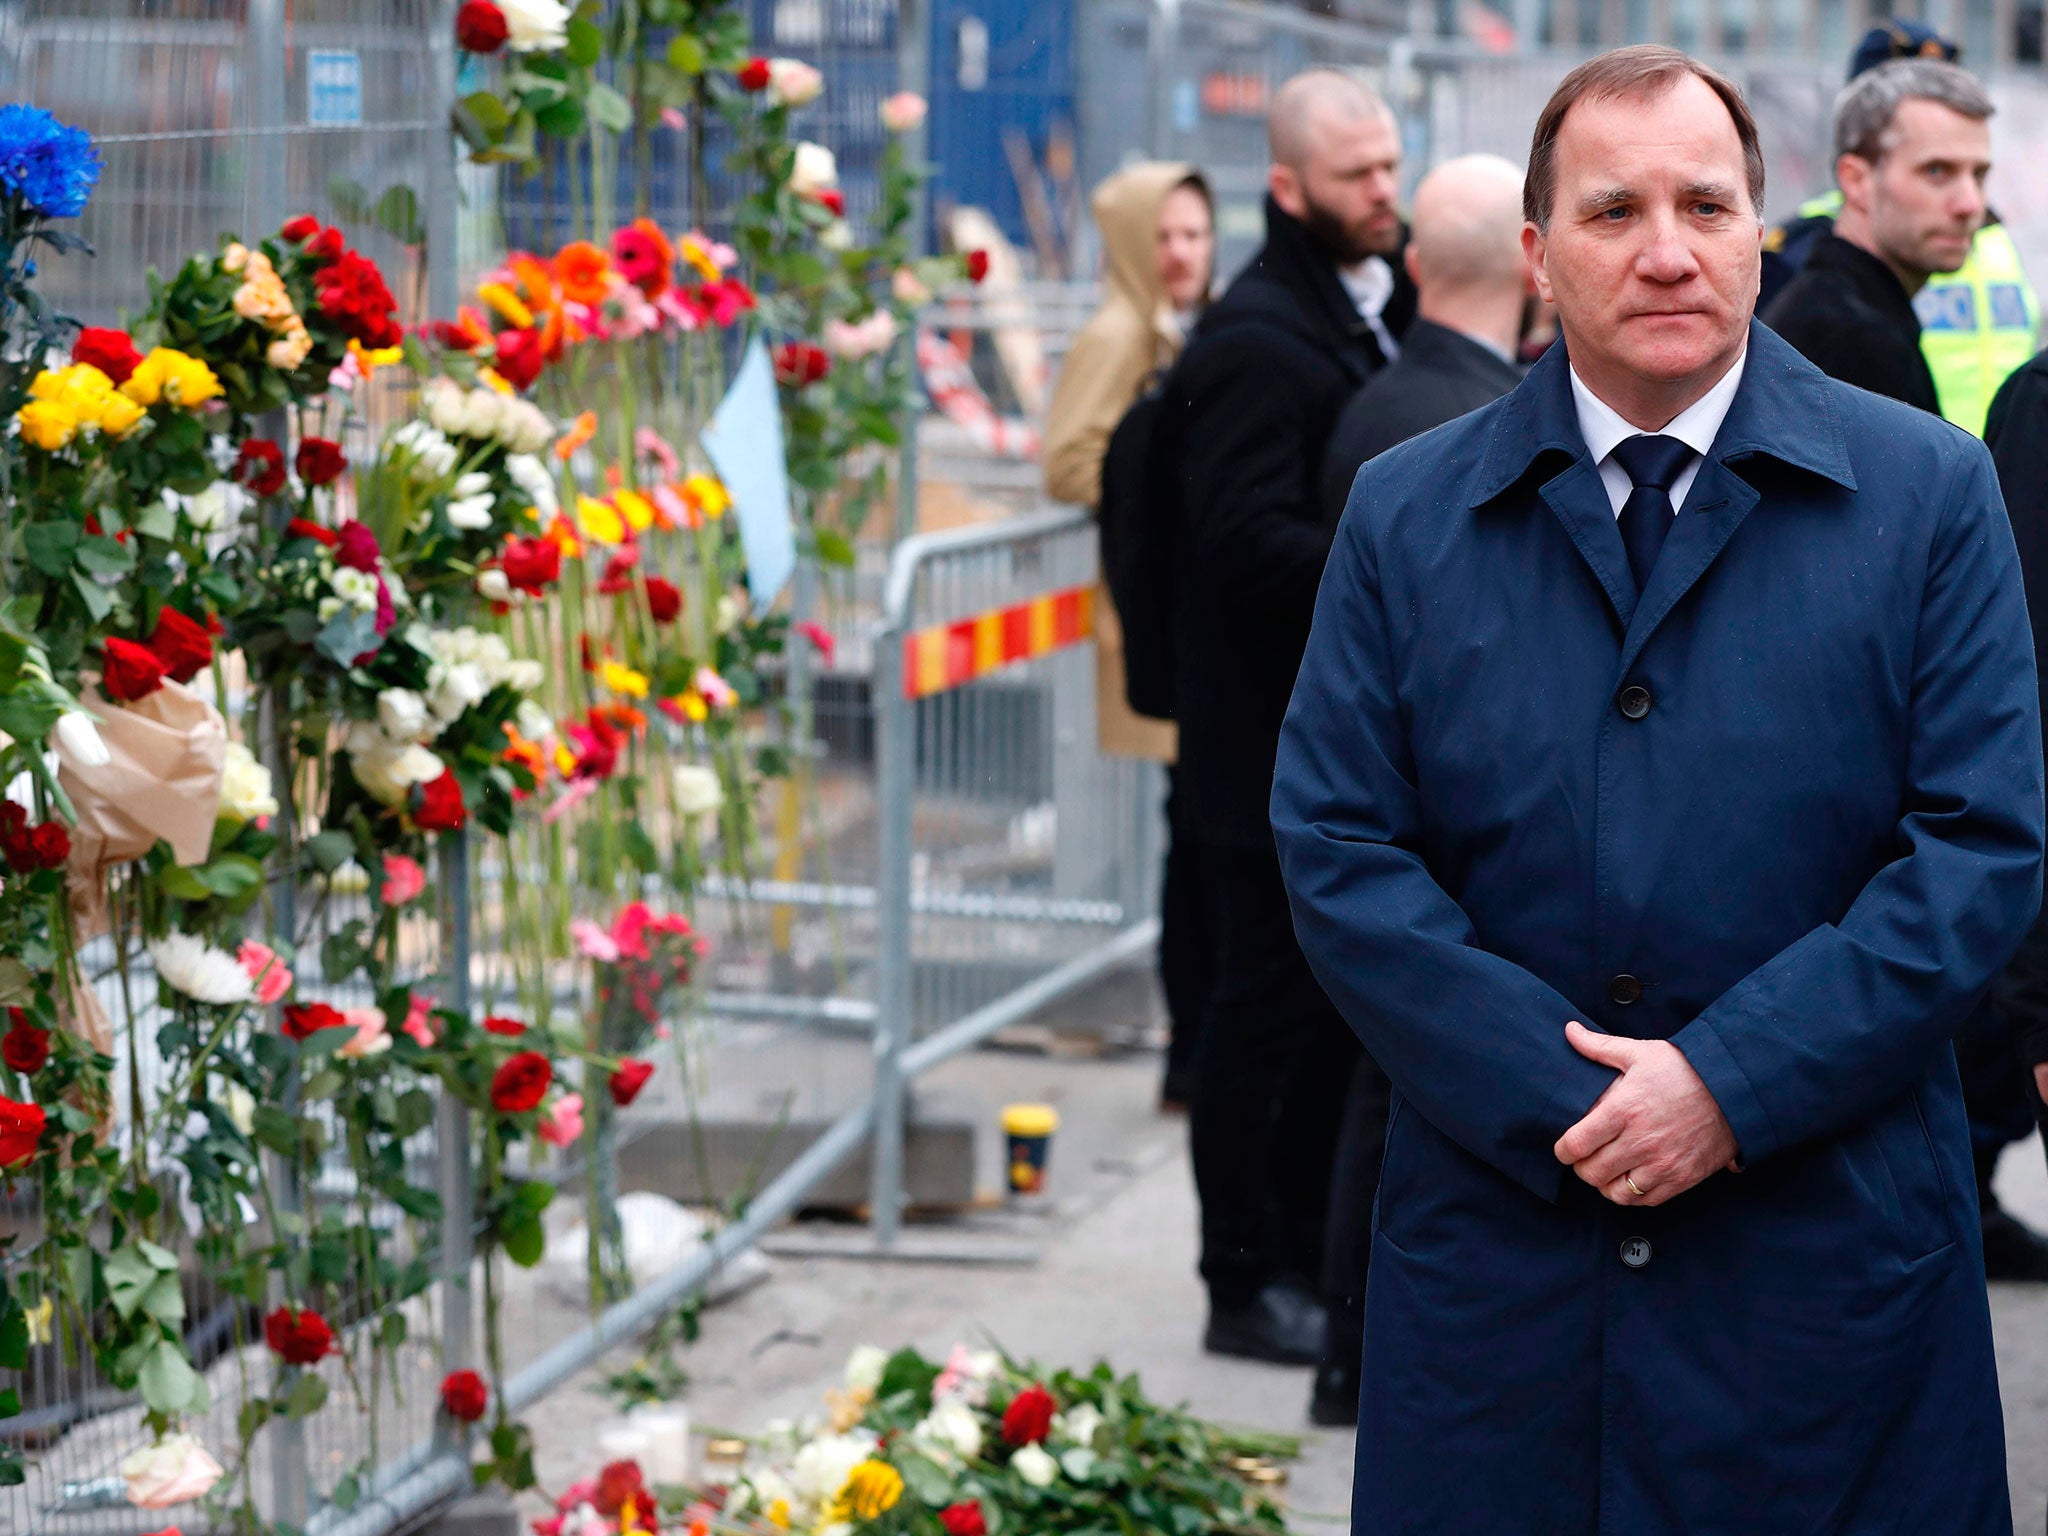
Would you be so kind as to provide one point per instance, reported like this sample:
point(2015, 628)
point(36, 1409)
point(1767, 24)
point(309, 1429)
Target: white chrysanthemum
point(836, 236)
point(534, 482)
point(483, 413)
point(525, 427)
point(731, 609)
point(698, 792)
point(245, 788)
point(535, 25)
point(446, 403)
point(356, 588)
point(198, 970)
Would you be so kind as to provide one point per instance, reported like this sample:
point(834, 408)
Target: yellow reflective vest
point(1977, 324)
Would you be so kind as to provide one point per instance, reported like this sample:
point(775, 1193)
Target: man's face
point(1345, 188)
point(1925, 195)
point(1652, 256)
point(1184, 247)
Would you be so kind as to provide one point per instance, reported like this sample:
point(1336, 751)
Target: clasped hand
point(1656, 1124)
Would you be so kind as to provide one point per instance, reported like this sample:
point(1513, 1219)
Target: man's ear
point(1853, 174)
point(1535, 248)
point(1414, 267)
point(1285, 186)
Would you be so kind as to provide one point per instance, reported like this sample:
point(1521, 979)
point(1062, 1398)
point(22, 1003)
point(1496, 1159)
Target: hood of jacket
point(1126, 208)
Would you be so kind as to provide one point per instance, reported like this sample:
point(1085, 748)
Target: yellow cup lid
point(1030, 1120)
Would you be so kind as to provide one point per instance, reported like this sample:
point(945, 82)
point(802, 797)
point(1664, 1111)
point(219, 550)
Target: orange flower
point(582, 269)
point(535, 281)
point(472, 325)
point(563, 533)
point(526, 754)
point(581, 431)
point(624, 716)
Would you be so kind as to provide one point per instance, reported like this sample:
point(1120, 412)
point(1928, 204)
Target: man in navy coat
point(1660, 794)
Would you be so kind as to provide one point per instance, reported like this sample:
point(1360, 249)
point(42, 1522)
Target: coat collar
point(1783, 410)
point(1297, 262)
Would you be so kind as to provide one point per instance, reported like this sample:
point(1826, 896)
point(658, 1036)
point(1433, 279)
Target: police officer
point(1977, 324)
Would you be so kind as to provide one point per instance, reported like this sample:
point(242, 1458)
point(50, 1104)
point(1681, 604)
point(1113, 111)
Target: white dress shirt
point(1371, 284)
point(1603, 427)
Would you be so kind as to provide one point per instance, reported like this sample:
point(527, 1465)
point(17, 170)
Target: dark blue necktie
point(1652, 464)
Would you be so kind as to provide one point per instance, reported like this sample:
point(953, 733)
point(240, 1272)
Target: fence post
point(896, 782)
point(453, 1178)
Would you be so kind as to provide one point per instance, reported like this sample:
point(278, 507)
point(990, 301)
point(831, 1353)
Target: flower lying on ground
point(176, 1470)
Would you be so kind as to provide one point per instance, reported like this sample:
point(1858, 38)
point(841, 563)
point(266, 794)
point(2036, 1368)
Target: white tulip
point(79, 739)
point(472, 514)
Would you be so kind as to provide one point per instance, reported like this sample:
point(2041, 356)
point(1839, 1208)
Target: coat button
point(1633, 701)
point(1624, 990)
point(1635, 1252)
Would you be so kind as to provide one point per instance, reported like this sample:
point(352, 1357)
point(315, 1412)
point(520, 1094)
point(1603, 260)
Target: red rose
point(129, 671)
point(977, 266)
point(299, 528)
point(519, 357)
point(480, 28)
point(111, 351)
point(630, 1078)
point(1028, 1419)
point(24, 1047)
point(663, 600)
point(531, 565)
point(181, 644)
point(456, 338)
point(298, 1338)
point(964, 1519)
point(618, 1482)
point(49, 845)
point(518, 1085)
point(438, 806)
point(21, 1127)
point(260, 466)
point(499, 1025)
point(303, 1019)
point(798, 363)
point(618, 571)
point(356, 547)
point(463, 1393)
point(300, 229)
point(833, 201)
point(324, 244)
point(319, 461)
point(754, 75)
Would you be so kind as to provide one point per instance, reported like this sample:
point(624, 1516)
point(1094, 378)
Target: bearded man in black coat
point(1248, 415)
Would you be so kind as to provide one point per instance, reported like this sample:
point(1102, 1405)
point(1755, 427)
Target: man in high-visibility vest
point(1977, 324)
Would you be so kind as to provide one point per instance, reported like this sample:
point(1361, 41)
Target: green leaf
point(348, 635)
point(329, 850)
point(586, 44)
point(562, 119)
point(535, 1195)
point(481, 119)
point(167, 1381)
point(908, 1371)
point(308, 1394)
point(17, 981)
point(10, 1403)
point(157, 521)
point(181, 883)
point(834, 548)
point(525, 1243)
point(99, 602)
point(13, 1339)
point(347, 1492)
point(686, 53)
point(51, 546)
point(608, 108)
point(231, 875)
point(398, 214)
point(105, 557)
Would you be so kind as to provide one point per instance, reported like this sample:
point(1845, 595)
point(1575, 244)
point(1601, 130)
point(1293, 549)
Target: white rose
point(953, 1425)
point(903, 112)
point(388, 773)
point(402, 713)
point(79, 739)
point(535, 25)
point(492, 587)
point(698, 793)
point(451, 690)
point(245, 788)
point(240, 1105)
point(176, 1470)
point(472, 514)
point(822, 1466)
point(793, 83)
point(534, 722)
point(213, 508)
point(836, 236)
point(816, 168)
point(1035, 1465)
point(865, 1365)
point(1078, 1425)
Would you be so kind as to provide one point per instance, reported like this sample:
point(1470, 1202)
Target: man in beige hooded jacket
point(1158, 240)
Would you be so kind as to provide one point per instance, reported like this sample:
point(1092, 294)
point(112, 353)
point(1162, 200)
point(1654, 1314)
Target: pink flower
point(903, 112)
point(672, 118)
point(819, 636)
point(717, 692)
point(594, 941)
point(561, 1123)
point(265, 970)
point(372, 1035)
point(650, 444)
point(404, 880)
point(419, 1021)
point(578, 791)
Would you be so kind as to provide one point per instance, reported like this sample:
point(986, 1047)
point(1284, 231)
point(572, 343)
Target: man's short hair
point(1301, 96)
point(1867, 105)
point(1646, 70)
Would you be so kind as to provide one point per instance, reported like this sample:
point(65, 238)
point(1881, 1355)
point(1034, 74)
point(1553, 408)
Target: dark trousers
point(1354, 1186)
point(1270, 1080)
point(1187, 955)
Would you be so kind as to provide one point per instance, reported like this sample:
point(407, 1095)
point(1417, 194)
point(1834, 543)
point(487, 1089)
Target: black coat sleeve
point(2017, 434)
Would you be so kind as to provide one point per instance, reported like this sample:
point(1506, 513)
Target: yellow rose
point(290, 349)
point(47, 424)
point(168, 374)
point(118, 415)
point(871, 1491)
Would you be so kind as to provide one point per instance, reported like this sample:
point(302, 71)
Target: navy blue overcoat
point(1783, 810)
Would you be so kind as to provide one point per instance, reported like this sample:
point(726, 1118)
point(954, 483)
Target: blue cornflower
point(52, 167)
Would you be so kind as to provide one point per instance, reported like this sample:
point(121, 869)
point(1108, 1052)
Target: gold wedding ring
point(1629, 1180)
